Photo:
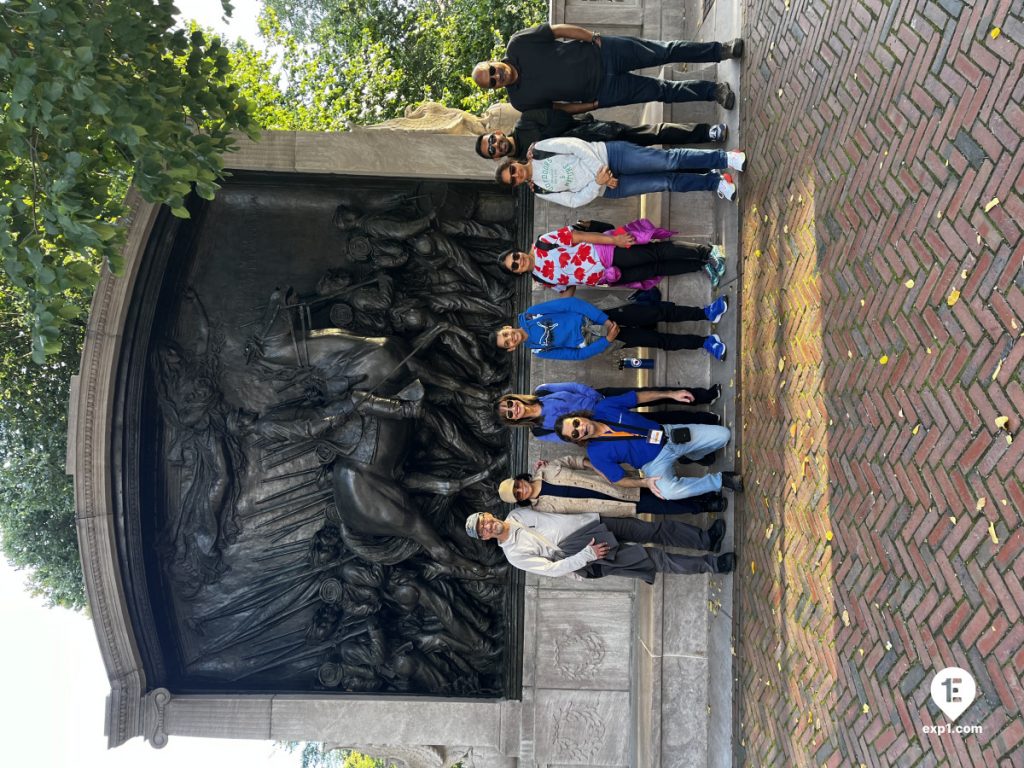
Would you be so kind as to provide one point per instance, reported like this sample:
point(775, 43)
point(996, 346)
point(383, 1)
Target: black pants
point(643, 135)
point(650, 504)
point(662, 258)
point(669, 533)
point(701, 395)
point(637, 325)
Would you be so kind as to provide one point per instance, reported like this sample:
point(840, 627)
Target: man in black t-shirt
point(537, 124)
point(583, 70)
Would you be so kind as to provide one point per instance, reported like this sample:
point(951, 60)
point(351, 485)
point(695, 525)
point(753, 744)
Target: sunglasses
point(515, 260)
point(577, 432)
point(492, 71)
point(492, 145)
point(505, 407)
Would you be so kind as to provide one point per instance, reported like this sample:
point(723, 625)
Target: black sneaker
point(718, 133)
point(715, 535)
point(733, 481)
point(708, 459)
point(716, 393)
point(733, 49)
point(718, 504)
point(721, 564)
point(725, 96)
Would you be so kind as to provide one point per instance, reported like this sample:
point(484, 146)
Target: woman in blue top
point(542, 409)
point(572, 329)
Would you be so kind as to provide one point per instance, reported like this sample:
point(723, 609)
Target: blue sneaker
point(714, 311)
point(715, 347)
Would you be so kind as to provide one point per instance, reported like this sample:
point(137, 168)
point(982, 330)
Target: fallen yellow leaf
point(952, 519)
point(995, 32)
point(768, 530)
point(782, 363)
point(753, 567)
point(779, 555)
point(1009, 439)
point(991, 204)
point(980, 505)
point(999, 367)
point(915, 430)
point(909, 283)
point(828, 536)
point(883, 359)
point(992, 533)
point(846, 618)
point(792, 430)
point(888, 645)
point(1002, 421)
point(953, 298)
point(865, 709)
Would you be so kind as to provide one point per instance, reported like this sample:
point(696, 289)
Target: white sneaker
point(736, 160)
point(726, 187)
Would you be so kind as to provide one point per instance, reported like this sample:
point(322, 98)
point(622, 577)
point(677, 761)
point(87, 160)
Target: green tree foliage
point(94, 95)
point(364, 61)
point(314, 754)
point(37, 516)
point(93, 92)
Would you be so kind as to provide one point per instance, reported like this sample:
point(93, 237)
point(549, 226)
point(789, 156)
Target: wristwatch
point(595, 38)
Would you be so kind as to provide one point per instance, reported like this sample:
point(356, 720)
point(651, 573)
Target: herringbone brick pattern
point(882, 315)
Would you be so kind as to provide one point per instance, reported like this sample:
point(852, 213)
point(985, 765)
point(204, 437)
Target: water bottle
point(636, 362)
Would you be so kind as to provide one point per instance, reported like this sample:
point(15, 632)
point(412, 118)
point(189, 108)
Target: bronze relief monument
point(302, 422)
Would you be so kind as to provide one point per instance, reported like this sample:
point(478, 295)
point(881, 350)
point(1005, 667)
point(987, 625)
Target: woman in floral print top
point(635, 256)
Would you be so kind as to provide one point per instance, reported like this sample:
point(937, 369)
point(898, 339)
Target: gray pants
point(633, 561)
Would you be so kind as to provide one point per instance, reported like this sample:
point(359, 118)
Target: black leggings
point(637, 325)
point(701, 395)
point(663, 258)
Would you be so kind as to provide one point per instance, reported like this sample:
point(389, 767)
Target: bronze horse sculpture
point(371, 487)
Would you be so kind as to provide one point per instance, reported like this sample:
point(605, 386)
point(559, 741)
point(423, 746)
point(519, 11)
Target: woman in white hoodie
point(572, 172)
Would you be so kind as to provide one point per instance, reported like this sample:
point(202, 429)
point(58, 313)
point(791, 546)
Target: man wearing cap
point(587, 546)
point(568, 485)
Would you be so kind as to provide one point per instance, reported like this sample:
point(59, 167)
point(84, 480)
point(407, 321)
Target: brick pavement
point(881, 321)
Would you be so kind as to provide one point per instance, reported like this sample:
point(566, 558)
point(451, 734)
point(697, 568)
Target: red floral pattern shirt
point(565, 264)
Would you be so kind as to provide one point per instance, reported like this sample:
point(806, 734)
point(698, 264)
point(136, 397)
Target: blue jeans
point(704, 438)
point(645, 169)
point(621, 55)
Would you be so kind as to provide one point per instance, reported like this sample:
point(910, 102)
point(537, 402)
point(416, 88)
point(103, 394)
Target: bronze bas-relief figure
point(321, 456)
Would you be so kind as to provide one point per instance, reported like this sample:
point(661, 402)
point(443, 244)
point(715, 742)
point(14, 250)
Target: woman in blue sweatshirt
point(572, 329)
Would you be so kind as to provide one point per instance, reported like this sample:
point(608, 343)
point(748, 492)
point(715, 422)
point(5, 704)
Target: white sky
point(209, 13)
point(54, 683)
